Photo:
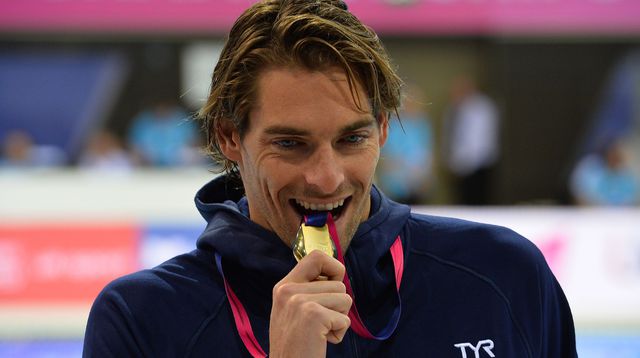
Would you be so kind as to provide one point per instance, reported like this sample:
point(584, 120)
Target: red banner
point(54, 263)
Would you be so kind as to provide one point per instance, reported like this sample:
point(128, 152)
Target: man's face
point(308, 148)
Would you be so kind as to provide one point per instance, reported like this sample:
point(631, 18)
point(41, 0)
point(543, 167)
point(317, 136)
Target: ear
point(383, 120)
point(229, 140)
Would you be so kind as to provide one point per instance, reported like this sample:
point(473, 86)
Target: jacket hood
point(260, 256)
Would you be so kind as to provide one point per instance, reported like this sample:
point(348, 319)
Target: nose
point(324, 170)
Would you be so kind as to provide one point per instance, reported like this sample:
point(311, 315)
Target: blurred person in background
point(606, 178)
point(164, 135)
point(104, 152)
point(471, 142)
point(298, 111)
point(607, 171)
point(406, 162)
point(19, 151)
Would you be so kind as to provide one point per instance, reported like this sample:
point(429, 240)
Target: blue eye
point(354, 139)
point(286, 143)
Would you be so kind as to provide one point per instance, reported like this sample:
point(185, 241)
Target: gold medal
point(311, 238)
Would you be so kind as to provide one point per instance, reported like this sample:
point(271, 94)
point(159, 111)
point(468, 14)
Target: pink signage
point(63, 263)
point(386, 16)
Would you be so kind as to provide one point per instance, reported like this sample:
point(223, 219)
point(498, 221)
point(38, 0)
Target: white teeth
point(320, 207)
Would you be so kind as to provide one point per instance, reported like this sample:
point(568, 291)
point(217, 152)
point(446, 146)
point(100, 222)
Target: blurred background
point(523, 113)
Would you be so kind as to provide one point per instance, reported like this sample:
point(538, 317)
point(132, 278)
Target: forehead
point(296, 95)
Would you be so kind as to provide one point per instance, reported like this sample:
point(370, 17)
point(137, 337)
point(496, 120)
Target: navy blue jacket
point(468, 290)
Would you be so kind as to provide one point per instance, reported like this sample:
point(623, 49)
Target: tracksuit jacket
point(468, 290)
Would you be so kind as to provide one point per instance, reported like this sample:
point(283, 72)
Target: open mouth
point(304, 208)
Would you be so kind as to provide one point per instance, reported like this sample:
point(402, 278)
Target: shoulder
point(493, 264)
point(489, 250)
point(173, 300)
point(497, 256)
point(440, 233)
point(176, 281)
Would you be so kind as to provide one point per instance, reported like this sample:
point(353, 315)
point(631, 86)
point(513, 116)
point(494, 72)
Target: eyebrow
point(286, 130)
point(361, 123)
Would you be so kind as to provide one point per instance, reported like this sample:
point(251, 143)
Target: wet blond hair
point(310, 34)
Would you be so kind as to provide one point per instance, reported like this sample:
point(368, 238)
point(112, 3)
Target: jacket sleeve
point(111, 330)
point(557, 331)
point(539, 305)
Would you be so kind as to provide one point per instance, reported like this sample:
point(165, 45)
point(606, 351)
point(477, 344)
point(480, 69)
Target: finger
point(316, 263)
point(339, 324)
point(332, 325)
point(318, 287)
point(288, 293)
point(338, 302)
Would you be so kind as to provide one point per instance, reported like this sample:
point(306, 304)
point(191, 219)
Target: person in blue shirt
point(605, 178)
point(405, 170)
point(299, 108)
point(163, 136)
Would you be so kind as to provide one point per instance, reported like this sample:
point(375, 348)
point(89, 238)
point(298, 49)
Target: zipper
point(354, 344)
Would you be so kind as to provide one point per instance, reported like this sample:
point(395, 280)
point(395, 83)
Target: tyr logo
point(485, 344)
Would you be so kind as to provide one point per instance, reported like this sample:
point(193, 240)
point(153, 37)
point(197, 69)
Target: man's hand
point(308, 312)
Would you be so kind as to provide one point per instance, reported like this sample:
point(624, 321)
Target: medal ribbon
point(397, 256)
point(243, 325)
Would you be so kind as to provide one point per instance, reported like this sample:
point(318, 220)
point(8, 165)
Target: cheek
point(364, 167)
point(256, 173)
point(274, 175)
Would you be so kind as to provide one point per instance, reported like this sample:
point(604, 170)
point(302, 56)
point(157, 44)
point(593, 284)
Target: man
point(299, 109)
point(472, 133)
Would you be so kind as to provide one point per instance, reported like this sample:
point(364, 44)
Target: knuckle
point(282, 291)
point(276, 289)
point(348, 299)
point(297, 300)
point(315, 256)
point(310, 310)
